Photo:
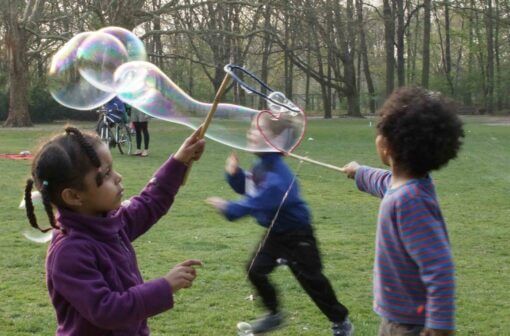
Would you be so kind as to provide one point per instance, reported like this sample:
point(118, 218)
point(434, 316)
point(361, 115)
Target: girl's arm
point(75, 275)
point(155, 200)
point(370, 180)
point(142, 211)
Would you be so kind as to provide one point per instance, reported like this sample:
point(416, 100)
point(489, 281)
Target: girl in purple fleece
point(92, 273)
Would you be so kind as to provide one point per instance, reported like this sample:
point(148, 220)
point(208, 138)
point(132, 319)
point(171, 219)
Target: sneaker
point(344, 328)
point(267, 323)
point(145, 152)
point(138, 152)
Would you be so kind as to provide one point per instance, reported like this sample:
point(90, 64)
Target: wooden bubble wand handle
point(209, 117)
point(326, 165)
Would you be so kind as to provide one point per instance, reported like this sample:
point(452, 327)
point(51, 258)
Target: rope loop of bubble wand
point(273, 221)
point(229, 68)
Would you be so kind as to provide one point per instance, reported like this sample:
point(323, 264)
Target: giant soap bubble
point(94, 67)
point(65, 82)
point(146, 87)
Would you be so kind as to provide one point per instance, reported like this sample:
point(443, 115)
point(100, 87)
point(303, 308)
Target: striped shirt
point(413, 272)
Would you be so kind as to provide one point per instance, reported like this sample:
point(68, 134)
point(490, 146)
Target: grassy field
point(474, 192)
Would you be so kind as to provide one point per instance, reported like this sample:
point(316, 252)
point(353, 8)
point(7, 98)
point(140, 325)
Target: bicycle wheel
point(104, 132)
point(123, 139)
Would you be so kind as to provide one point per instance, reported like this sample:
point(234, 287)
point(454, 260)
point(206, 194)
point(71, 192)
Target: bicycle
point(113, 130)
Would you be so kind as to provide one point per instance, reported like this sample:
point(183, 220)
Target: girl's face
point(97, 200)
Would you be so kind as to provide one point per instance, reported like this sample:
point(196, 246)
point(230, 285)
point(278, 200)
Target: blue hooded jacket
point(264, 189)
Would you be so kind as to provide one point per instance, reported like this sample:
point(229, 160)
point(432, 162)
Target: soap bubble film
point(93, 67)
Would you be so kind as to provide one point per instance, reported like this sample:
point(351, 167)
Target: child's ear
point(71, 197)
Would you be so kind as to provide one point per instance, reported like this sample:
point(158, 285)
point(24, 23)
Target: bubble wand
point(281, 102)
point(208, 119)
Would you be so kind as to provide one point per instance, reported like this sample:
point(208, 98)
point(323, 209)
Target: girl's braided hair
point(61, 163)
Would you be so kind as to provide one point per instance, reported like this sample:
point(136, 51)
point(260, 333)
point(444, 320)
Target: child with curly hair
point(92, 274)
point(414, 274)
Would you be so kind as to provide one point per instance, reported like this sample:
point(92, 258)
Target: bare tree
point(19, 20)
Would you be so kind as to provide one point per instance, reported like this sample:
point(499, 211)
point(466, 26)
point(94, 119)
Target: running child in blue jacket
point(289, 238)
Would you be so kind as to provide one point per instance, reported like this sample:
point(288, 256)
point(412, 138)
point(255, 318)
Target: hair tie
point(45, 183)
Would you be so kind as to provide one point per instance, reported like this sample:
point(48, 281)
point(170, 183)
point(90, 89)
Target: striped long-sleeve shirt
point(413, 272)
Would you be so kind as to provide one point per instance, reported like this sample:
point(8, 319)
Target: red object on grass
point(16, 156)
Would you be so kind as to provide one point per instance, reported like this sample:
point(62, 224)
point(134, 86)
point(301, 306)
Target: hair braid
point(29, 206)
point(88, 149)
point(47, 206)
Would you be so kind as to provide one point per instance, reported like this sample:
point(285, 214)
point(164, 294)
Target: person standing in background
point(140, 122)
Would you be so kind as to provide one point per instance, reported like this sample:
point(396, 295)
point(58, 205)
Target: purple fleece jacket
point(92, 273)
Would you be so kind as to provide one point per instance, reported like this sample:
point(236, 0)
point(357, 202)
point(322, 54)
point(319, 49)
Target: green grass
point(474, 192)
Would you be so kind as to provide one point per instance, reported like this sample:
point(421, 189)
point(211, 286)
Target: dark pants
point(142, 127)
point(300, 250)
point(390, 328)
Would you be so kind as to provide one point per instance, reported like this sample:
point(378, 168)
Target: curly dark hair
point(422, 129)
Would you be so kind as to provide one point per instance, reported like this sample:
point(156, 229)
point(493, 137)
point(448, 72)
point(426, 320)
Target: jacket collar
point(270, 158)
point(100, 228)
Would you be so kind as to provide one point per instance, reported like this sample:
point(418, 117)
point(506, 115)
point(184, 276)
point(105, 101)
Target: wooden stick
point(304, 158)
point(214, 106)
point(209, 117)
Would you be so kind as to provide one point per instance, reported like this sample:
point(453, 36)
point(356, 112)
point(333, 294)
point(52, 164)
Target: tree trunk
point(16, 42)
point(389, 37)
point(288, 65)
point(448, 54)
point(426, 44)
point(157, 46)
point(326, 99)
point(499, 79)
point(265, 53)
point(307, 81)
point(467, 92)
point(490, 59)
point(400, 43)
point(351, 92)
point(412, 67)
point(364, 55)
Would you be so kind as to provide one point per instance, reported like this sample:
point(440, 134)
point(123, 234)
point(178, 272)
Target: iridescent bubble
point(93, 67)
point(145, 87)
point(99, 55)
point(65, 82)
point(134, 46)
point(37, 236)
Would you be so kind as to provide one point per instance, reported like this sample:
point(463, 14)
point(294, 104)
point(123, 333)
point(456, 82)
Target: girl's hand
point(436, 332)
point(183, 274)
point(350, 169)
point(217, 202)
point(191, 149)
point(232, 164)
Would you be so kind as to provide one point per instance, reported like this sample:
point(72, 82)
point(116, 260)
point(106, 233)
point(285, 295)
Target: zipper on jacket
point(121, 242)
